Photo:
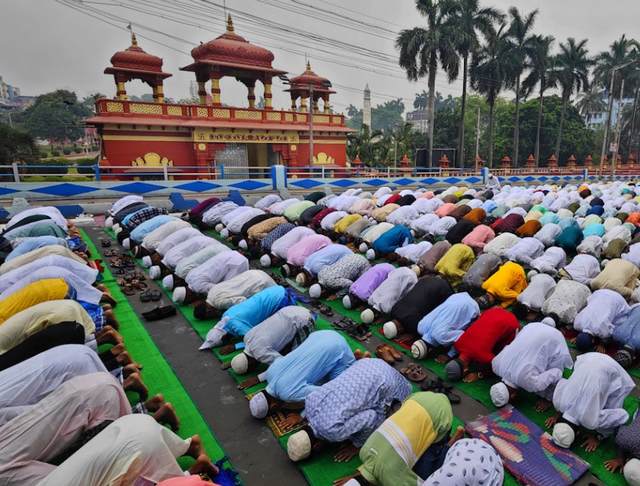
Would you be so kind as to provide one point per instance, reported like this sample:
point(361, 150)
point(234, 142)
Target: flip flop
point(414, 372)
point(145, 296)
point(344, 324)
point(395, 353)
point(142, 286)
point(357, 332)
point(155, 295)
point(128, 289)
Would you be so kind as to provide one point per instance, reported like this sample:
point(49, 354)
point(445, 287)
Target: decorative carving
point(321, 119)
point(248, 115)
point(301, 118)
point(145, 109)
point(151, 159)
point(221, 113)
point(202, 112)
point(174, 110)
point(274, 116)
point(288, 117)
point(114, 107)
point(336, 119)
point(323, 159)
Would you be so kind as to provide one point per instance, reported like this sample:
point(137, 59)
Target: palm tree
point(488, 73)
point(423, 48)
point(591, 101)
point(363, 143)
point(422, 100)
point(573, 64)
point(542, 74)
point(352, 111)
point(466, 20)
point(523, 43)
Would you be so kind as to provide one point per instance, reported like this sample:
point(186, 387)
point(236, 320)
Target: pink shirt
point(445, 209)
point(480, 236)
point(299, 252)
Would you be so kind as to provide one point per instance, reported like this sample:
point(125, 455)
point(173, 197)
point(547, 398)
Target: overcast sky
point(46, 44)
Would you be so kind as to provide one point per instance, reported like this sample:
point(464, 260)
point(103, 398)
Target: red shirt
point(486, 337)
point(393, 199)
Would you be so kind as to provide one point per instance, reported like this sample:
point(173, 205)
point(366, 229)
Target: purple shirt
point(370, 280)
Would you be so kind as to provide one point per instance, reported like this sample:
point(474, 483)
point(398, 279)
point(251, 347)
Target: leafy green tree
point(387, 115)
point(522, 46)
point(17, 146)
point(591, 102)
point(422, 101)
point(55, 116)
point(489, 75)
point(542, 74)
point(573, 64)
point(422, 49)
point(363, 143)
point(353, 111)
point(466, 21)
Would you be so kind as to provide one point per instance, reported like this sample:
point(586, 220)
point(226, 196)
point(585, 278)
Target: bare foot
point(443, 358)
point(154, 403)
point(542, 405)
point(471, 377)
point(118, 349)
point(110, 337)
point(130, 369)
point(196, 448)
point(134, 383)
point(103, 288)
point(167, 415)
point(203, 465)
point(457, 435)
point(107, 299)
point(358, 354)
point(124, 359)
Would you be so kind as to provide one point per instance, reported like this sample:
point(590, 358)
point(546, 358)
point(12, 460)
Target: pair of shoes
point(147, 295)
point(326, 310)
point(158, 313)
point(439, 386)
point(414, 372)
point(388, 353)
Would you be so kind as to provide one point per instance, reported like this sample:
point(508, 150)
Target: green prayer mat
point(157, 373)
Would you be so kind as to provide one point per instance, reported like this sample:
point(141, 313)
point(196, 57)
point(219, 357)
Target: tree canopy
point(16, 146)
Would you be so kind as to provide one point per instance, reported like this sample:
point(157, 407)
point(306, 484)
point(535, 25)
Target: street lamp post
point(310, 123)
point(614, 162)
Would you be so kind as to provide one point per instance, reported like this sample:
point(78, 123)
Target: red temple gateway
point(209, 134)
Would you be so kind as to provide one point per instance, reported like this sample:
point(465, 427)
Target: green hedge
point(55, 153)
point(77, 150)
point(66, 151)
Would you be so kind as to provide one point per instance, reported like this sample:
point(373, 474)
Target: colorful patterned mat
point(515, 437)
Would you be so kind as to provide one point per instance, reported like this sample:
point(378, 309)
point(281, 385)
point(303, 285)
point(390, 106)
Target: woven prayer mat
point(275, 421)
point(528, 452)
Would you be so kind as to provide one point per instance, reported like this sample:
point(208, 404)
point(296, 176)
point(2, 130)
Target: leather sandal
point(383, 353)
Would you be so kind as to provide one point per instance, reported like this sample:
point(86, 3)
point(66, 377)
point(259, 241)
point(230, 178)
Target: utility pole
point(477, 140)
point(607, 123)
point(310, 123)
point(617, 137)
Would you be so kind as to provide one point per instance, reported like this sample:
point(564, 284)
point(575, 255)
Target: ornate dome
point(307, 77)
point(135, 58)
point(233, 49)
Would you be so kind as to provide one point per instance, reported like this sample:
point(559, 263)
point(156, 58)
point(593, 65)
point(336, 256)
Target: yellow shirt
point(32, 294)
point(507, 283)
point(455, 263)
point(342, 225)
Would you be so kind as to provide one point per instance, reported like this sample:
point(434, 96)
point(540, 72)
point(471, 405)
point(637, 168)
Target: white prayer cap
point(299, 446)
point(259, 406)
point(300, 278)
point(146, 261)
point(240, 364)
point(126, 243)
point(351, 482)
point(632, 472)
point(117, 230)
point(413, 233)
point(563, 435)
point(416, 270)
point(108, 223)
point(224, 233)
point(367, 316)
point(243, 245)
point(549, 322)
point(179, 294)
point(363, 247)
point(532, 273)
point(265, 260)
point(346, 301)
point(219, 227)
point(115, 226)
point(315, 290)
point(155, 272)
point(285, 270)
point(371, 254)
point(390, 330)
point(419, 349)
point(168, 282)
point(499, 394)
point(604, 263)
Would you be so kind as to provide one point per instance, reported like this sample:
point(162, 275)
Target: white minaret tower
point(366, 110)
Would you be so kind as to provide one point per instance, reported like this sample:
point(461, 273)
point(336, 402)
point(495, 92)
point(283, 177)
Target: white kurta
point(525, 251)
point(281, 246)
point(238, 289)
point(215, 214)
point(535, 360)
point(237, 212)
point(187, 248)
point(605, 311)
point(396, 286)
point(280, 207)
point(330, 220)
point(539, 289)
point(32, 256)
point(550, 262)
point(501, 244)
point(235, 225)
point(414, 251)
point(26, 383)
point(442, 226)
point(123, 202)
point(41, 433)
point(220, 268)
point(594, 394)
point(548, 234)
point(196, 259)
point(53, 213)
point(132, 447)
point(85, 292)
point(267, 201)
point(153, 239)
point(583, 269)
point(424, 223)
point(377, 231)
point(83, 271)
point(176, 238)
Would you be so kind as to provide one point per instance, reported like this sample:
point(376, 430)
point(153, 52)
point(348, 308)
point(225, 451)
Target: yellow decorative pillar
point(268, 96)
point(215, 91)
point(303, 104)
point(121, 92)
point(158, 92)
point(202, 92)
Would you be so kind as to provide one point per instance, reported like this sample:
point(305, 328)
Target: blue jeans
point(432, 459)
